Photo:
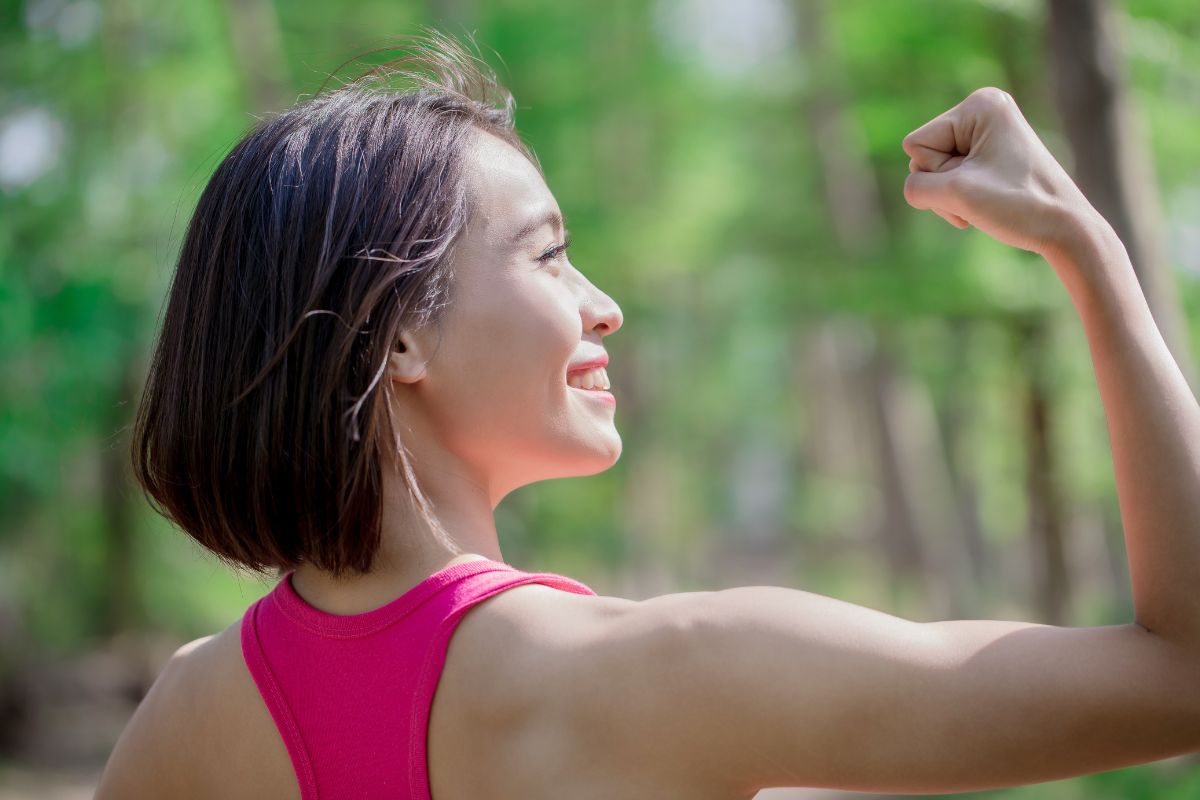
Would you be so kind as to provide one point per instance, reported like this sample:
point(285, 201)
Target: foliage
point(692, 179)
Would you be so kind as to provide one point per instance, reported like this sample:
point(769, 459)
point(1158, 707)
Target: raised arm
point(1017, 193)
point(728, 692)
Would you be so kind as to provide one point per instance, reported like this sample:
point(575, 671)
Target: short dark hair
point(265, 422)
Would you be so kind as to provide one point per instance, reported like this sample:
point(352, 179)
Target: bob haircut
point(265, 424)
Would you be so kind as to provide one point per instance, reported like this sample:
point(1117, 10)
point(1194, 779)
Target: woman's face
point(495, 391)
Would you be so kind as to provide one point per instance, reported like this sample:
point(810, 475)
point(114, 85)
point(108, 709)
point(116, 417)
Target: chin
point(577, 462)
point(595, 461)
point(608, 457)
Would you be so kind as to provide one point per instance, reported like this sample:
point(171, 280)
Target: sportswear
point(351, 694)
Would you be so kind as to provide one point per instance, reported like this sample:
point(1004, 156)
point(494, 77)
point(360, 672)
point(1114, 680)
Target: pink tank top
point(351, 694)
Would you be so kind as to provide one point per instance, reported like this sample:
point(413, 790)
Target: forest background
point(819, 386)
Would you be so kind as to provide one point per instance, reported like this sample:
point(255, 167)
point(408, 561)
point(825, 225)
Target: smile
point(597, 394)
point(590, 379)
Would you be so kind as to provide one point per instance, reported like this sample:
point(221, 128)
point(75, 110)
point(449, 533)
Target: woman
point(375, 334)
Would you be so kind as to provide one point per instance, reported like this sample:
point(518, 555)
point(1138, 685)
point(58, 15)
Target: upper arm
point(765, 686)
point(150, 759)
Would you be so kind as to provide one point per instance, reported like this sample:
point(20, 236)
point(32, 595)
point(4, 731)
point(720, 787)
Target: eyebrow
point(553, 219)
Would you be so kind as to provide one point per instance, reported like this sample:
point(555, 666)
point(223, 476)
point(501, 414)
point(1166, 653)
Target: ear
point(409, 356)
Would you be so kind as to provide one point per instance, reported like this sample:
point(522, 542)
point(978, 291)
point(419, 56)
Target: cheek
point(540, 340)
point(537, 316)
point(511, 347)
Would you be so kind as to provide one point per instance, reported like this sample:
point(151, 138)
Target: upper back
point(292, 702)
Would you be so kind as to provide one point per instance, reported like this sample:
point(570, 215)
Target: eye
point(555, 252)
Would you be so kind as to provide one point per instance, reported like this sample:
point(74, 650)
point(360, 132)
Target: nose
point(600, 312)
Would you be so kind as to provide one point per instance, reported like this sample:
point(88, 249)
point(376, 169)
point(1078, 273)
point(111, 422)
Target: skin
point(483, 397)
point(720, 694)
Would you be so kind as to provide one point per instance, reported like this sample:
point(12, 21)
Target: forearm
point(1153, 426)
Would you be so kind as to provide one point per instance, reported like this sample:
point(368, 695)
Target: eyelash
point(555, 252)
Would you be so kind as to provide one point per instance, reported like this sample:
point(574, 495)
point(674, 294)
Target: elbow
point(1182, 673)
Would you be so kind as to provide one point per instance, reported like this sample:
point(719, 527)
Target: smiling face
point(493, 392)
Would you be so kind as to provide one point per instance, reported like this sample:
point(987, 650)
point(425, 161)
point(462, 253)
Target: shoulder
point(588, 680)
point(202, 730)
point(516, 641)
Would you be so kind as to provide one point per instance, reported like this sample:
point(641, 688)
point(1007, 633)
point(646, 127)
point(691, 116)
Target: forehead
point(504, 187)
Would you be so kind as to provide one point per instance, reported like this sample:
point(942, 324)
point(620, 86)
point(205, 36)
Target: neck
point(410, 549)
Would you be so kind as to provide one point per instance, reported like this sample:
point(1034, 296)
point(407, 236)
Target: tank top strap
point(491, 578)
point(464, 596)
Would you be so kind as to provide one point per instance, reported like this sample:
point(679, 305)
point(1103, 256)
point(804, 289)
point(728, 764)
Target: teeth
point(592, 379)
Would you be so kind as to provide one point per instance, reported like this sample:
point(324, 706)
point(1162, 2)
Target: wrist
point(1080, 235)
point(1087, 254)
point(1076, 227)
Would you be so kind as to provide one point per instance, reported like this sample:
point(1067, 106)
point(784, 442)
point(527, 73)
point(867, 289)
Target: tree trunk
point(258, 48)
point(1052, 585)
point(1113, 164)
point(123, 603)
point(957, 418)
point(914, 478)
point(899, 534)
point(121, 607)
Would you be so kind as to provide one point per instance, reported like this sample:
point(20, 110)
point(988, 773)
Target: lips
point(583, 366)
point(599, 362)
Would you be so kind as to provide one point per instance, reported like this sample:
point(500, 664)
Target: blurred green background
point(819, 386)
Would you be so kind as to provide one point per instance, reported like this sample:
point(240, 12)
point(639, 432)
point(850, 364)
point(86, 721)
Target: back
point(351, 695)
point(275, 705)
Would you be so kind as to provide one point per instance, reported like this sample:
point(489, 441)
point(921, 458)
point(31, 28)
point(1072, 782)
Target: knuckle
point(992, 97)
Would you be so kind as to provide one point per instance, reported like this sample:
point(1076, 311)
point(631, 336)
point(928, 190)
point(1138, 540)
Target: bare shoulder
point(202, 730)
point(507, 653)
point(622, 676)
point(527, 638)
point(556, 666)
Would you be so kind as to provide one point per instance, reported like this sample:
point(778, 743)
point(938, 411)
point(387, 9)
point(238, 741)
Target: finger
point(932, 190)
point(936, 142)
point(936, 135)
point(928, 190)
point(946, 166)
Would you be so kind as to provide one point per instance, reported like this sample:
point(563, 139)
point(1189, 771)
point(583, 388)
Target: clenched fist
point(981, 164)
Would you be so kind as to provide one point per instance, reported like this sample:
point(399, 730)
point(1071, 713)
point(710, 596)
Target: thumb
point(932, 190)
point(927, 189)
